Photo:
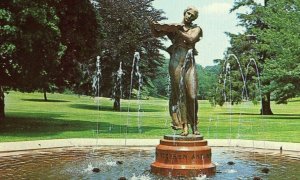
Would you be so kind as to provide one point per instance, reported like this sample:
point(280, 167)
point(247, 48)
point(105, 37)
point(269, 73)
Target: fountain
point(97, 78)
point(227, 65)
point(135, 63)
point(182, 155)
point(177, 156)
point(118, 90)
point(96, 85)
point(135, 71)
point(79, 162)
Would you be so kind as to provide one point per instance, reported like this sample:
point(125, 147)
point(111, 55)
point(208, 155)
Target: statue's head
point(190, 14)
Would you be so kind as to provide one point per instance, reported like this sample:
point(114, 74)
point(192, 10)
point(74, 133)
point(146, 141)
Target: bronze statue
point(183, 105)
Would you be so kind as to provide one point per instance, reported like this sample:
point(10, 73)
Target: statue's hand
point(152, 25)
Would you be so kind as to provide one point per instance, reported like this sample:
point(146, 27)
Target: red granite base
point(184, 156)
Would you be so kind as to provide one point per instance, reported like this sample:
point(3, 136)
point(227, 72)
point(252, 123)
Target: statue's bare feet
point(196, 133)
point(195, 130)
point(176, 127)
point(185, 131)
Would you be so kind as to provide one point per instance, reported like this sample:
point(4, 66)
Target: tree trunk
point(2, 104)
point(266, 2)
point(266, 105)
point(117, 104)
point(45, 95)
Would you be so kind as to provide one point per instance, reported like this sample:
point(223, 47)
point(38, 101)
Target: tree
point(207, 80)
point(30, 46)
point(7, 48)
point(160, 85)
point(126, 31)
point(283, 41)
point(247, 46)
point(271, 38)
point(80, 27)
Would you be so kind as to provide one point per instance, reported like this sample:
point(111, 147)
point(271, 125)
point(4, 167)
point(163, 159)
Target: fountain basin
point(76, 158)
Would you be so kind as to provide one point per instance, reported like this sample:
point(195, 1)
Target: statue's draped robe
point(183, 105)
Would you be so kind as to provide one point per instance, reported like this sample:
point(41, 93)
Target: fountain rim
point(8, 147)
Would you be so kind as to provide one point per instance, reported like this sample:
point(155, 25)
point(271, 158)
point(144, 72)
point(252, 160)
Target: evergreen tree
point(207, 81)
point(271, 38)
point(126, 31)
point(80, 26)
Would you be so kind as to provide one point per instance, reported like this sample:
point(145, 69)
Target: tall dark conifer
point(272, 39)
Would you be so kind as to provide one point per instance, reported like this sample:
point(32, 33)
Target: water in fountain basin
point(76, 163)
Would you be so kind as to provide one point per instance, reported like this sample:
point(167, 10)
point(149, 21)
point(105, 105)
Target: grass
point(71, 116)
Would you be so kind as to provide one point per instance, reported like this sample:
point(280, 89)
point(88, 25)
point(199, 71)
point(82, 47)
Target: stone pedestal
point(183, 156)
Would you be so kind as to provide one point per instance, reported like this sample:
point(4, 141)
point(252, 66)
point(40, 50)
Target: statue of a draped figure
point(183, 104)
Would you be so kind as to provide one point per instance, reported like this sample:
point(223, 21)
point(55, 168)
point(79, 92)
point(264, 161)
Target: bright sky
point(214, 19)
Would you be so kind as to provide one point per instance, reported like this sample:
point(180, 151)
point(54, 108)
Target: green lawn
point(71, 116)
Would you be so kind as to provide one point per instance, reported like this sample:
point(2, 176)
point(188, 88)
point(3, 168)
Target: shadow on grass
point(42, 100)
point(22, 127)
point(244, 114)
point(110, 108)
point(274, 116)
point(294, 100)
point(283, 116)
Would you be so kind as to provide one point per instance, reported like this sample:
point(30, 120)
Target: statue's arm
point(153, 29)
point(157, 33)
point(193, 37)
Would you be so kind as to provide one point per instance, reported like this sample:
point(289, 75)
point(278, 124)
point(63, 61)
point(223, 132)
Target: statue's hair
point(192, 8)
